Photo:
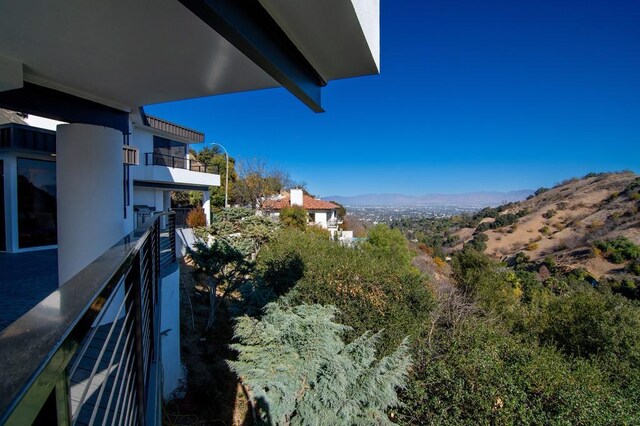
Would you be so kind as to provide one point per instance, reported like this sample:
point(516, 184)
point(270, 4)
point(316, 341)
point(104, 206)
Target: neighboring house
point(321, 213)
point(166, 165)
point(90, 66)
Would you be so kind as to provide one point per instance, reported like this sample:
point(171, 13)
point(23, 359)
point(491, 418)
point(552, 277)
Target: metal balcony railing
point(155, 159)
point(333, 222)
point(89, 353)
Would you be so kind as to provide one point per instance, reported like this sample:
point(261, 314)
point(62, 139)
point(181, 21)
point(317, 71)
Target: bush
point(388, 243)
point(196, 218)
point(481, 374)
point(294, 217)
point(545, 230)
point(618, 250)
point(372, 291)
point(300, 371)
point(549, 214)
point(439, 262)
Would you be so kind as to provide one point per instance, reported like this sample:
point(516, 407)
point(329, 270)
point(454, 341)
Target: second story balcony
point(155, 159)
point(160, 168)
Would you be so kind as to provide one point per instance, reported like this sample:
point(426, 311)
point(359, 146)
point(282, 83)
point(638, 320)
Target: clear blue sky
point(472, 95)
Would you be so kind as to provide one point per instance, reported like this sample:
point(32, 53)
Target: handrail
point(155, 159)
point(38, 347)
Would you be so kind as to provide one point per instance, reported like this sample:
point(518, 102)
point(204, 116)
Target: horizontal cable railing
point(88, 353)
point(155, 159)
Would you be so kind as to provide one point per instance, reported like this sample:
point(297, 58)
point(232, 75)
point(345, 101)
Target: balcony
point(154, 159)
point(90, 352)
point(182, 171)
point(333, 223)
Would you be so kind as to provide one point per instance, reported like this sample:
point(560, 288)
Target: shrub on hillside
point(388, 243)
point(294, 217)
point(479, 373)
point(371, 290)
point(196, 218)
point(618, 250)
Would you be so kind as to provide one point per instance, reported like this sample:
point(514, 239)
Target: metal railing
point(333, 222)
point(155, 159)
point(89, 353)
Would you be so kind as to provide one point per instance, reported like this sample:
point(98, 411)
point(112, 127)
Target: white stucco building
point(320, 213)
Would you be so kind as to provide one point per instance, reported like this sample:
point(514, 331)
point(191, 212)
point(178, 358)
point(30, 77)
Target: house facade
point(320, 213)
point(28, 188)
point(91, 66)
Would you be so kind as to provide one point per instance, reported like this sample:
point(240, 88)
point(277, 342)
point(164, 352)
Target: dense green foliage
point(374, 287)
point(618, 250)
point(295, 217)
point(301, 372)
point(552, 351)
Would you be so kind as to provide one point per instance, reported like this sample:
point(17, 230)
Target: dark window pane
point(168, 147)
point(37, 220)
point(2, 230)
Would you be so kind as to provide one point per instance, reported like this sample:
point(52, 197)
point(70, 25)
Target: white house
point(91, 66)
point(321, 213)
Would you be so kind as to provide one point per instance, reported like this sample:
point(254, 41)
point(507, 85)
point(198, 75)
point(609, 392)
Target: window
point(312, 217)
point(37, 216)
point(165, 146)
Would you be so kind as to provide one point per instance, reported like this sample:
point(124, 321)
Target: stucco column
point(206, 205)
point(90, 196)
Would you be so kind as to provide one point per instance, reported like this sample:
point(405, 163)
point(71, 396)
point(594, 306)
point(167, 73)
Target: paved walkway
point(25, 280)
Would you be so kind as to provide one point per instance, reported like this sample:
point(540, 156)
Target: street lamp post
point(226, 176)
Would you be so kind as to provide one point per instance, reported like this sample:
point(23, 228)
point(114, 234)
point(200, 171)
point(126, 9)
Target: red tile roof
point(308, 203)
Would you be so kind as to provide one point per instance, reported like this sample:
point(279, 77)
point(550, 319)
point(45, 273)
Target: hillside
point(565, 222)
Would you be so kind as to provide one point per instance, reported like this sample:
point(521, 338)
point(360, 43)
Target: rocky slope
point(565, 222)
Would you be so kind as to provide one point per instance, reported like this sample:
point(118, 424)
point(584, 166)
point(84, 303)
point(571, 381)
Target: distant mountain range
point(471, 199)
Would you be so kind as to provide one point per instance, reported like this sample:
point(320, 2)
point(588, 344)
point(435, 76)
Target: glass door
point(3, 237)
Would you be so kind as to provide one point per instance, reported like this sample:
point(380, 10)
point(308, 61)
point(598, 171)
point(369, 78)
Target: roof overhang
point(165, 128)
point(126, 54)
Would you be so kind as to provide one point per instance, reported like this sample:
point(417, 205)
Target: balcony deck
point(26, 279)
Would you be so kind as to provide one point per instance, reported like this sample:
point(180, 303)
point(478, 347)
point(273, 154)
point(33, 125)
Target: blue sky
point(472, 95)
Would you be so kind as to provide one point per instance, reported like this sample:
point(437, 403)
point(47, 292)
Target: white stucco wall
point(144, 196)
point(320, 218)
point(90, 197)
point(173, 371)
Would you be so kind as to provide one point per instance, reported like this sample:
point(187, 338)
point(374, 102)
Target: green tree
point(389, 243)
point(215, 160)
point(294, 217)
point(301, 372)
point(227, 249)
point(372, 292)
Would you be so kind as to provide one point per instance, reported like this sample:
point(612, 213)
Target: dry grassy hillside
point(564, 221)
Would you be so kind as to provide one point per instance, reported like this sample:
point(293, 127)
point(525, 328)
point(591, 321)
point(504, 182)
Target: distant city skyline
point(472, 96)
